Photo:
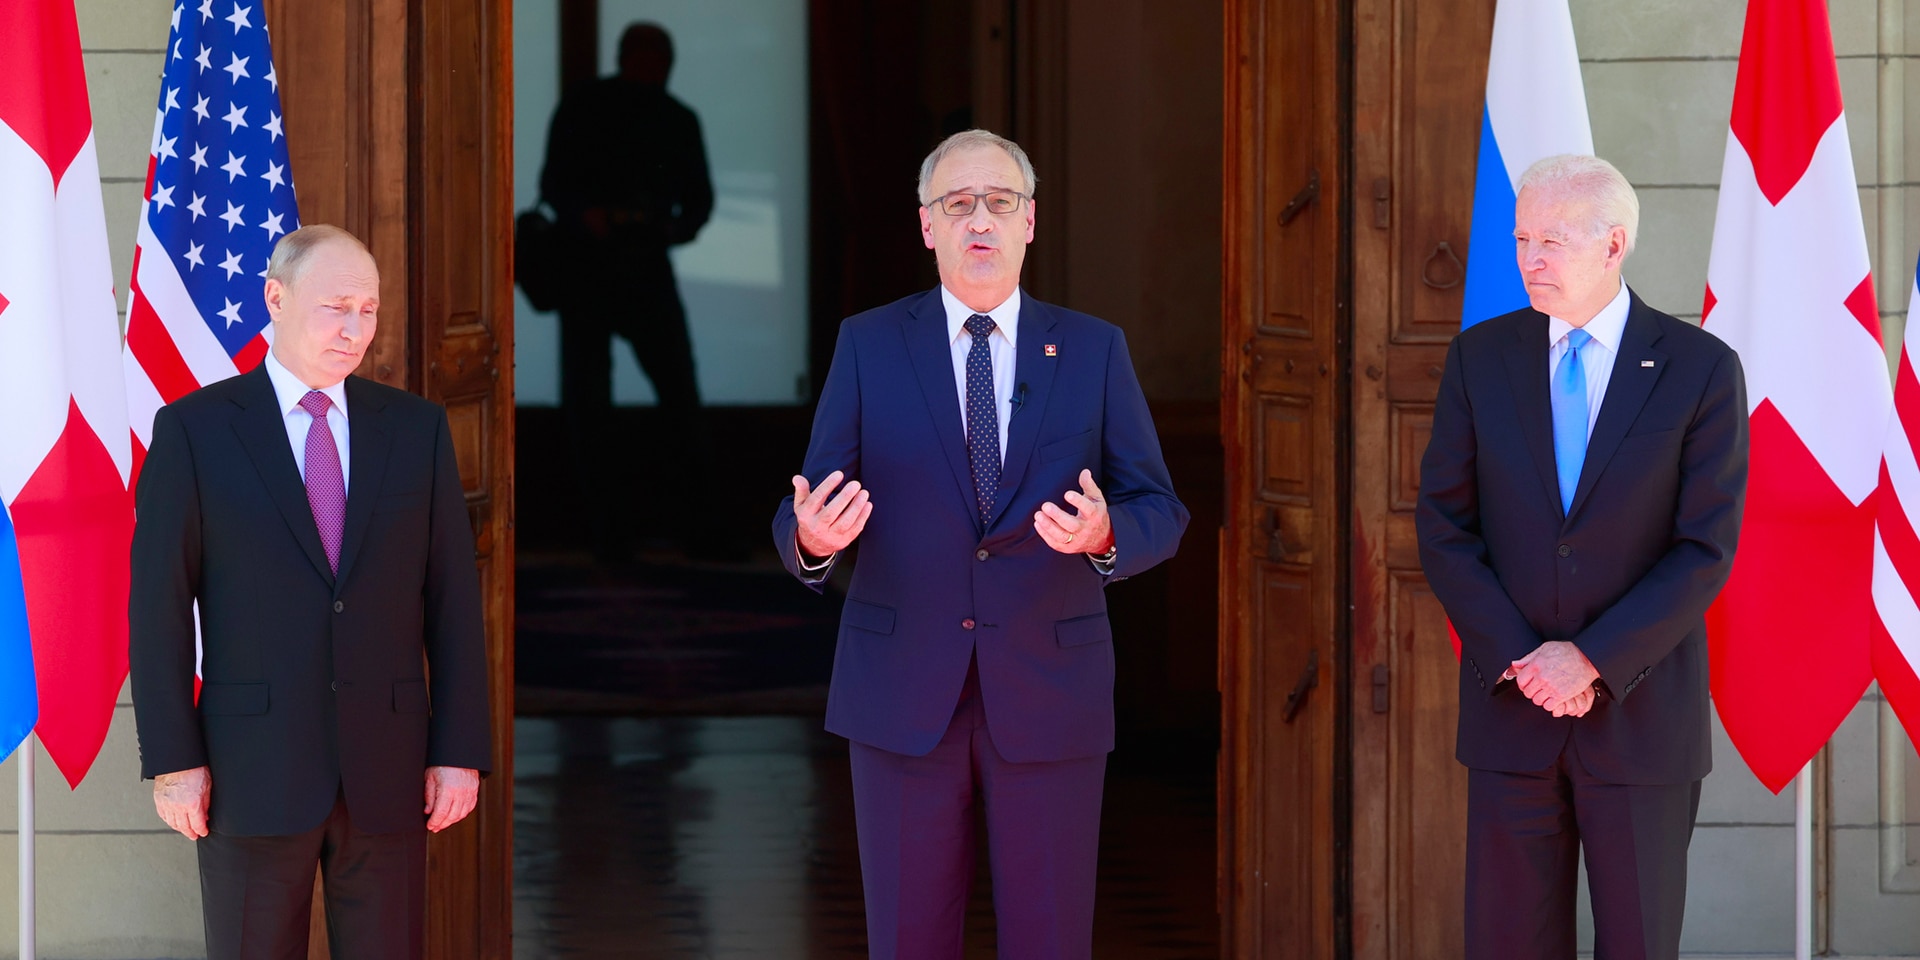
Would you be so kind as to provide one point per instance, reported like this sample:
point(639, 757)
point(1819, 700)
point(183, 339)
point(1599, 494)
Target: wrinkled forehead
point(976, 169)
point(1553, 210)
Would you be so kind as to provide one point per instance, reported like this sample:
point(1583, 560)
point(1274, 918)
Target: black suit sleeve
point(1643, 626)
point(1147, 518)
point(459, 732)
point(696, 198)
point(165, 580)
point(1447, 518)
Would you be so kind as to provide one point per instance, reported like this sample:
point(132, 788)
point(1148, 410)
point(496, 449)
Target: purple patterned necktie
point(326, 486)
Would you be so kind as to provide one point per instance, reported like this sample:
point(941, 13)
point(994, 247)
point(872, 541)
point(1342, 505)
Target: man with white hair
point(1017, 473)
point(1579, 505)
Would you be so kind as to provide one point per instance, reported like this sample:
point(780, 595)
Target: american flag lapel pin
point(1646, 363)
point(1053, 349)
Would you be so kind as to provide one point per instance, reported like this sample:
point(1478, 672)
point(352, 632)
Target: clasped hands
point(1558, 678)
point(829, 521)
point(181, 798)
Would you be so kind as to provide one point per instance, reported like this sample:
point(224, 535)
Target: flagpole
point(1803, 864)
point(25, 755)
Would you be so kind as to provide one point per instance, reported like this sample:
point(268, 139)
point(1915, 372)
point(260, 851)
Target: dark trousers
point(633, 295)
point(1525, 834)
point(257, 892)
point(915, 818)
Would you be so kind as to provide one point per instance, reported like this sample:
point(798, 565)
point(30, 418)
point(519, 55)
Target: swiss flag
point(1789, 287)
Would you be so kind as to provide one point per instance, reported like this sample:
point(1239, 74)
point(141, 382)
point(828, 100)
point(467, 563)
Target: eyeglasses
point(999, 203)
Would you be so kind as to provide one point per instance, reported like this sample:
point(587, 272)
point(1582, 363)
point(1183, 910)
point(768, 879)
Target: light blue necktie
point(1570, 417)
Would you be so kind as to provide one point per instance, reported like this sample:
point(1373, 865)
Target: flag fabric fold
point(1789, 286)
point(1536, 108)
point(1896, 547)
point(66, 519)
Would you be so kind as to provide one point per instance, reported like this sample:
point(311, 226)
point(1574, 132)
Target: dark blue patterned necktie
point(983, 417)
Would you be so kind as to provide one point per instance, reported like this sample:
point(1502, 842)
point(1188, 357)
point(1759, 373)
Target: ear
point(926, 225)
point(275, 295)
point(1029, 219)
point(1616, 247)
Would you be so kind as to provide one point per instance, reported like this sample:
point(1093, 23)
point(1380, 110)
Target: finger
point(1085, 506)
point(433, 793)
point(800, 490)
point(197, 820)
point(855, 521)
point(850, 515)
point(1088, 486)
point(825, 489)
point(831, 512)
point(1067, 522)
point(1049, 529)
point(438, 821)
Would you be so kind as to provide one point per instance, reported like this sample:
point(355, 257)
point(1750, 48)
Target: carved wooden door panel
point(1282, 556)
point(1419, 71)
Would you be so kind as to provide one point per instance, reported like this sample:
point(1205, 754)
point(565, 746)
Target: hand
point(1556, 671)
point(1089, 530)
point(181, 799)
point(452, 793)
point(1575, 706)
point(827, 526)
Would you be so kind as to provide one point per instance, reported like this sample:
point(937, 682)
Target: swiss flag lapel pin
point(1053, 349)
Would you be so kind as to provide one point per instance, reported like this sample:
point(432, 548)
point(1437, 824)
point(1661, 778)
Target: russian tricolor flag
point(1536, 108)
point(66, 518)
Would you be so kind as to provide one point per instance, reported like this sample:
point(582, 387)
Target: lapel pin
point(1646, 363)
point(1053, 350)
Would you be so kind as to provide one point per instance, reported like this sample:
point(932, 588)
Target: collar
point(1006, 316)
point(288, 389)
point(1606, 327)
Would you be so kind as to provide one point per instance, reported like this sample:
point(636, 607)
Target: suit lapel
point(1033, 370)
point(1627, 391)
point(925, 330)
point(1527, 376)
point(368, 438)
point(262, 429)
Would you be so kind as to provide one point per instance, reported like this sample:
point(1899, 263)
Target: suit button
point(339, 606)
point(981, 555)
point(1566, 551)
point(336, 686)
point(966, 624)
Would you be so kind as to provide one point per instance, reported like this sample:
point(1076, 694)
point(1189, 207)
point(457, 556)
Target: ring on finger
point(1069, 538)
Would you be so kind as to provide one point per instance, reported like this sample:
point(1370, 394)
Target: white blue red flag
point(65, 453)
point(219, 195)
point(1789, 286)
point(1896, 555)
point(1536, 108)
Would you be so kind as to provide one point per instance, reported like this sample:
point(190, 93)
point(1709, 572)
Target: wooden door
point(1283, 551)
point(1418, 84)
point(398, 119)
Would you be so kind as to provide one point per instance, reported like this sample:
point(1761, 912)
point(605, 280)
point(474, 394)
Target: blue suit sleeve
point(1148, 519)
point(834, 445)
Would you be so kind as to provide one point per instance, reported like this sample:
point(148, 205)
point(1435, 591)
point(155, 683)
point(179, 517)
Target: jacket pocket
point(233, 699)
point(870, 617)
point(409, 696)
point(1080, 631)
point(1067, 447)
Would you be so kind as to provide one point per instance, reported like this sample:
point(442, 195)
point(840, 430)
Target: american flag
point(1896, 545)
point(218, 196)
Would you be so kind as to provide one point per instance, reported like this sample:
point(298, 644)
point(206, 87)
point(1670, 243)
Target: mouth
point(981, 248)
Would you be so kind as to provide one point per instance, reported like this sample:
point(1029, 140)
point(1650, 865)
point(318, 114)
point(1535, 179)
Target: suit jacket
point(1626, 575)
point(313, 683)
point(934, 586)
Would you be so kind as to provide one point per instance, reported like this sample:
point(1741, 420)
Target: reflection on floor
point(733, 837)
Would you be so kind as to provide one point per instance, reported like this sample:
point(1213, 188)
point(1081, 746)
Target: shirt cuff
point(820, 568)
point(1103, 563)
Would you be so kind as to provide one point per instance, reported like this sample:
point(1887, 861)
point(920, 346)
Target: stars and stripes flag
point(66, 520)
point(1789, 287)
point(218, 196)
point(1536, 108)
point(1896, 547)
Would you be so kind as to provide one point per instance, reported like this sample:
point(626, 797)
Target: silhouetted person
point(626, 172)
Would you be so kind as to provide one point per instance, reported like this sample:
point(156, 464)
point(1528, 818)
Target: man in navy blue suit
point(1579, 506)
point(1021, 474)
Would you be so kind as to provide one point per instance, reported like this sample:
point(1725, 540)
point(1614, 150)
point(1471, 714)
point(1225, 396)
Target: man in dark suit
point(975, 664)
point(318, 521)
point(1579, 505)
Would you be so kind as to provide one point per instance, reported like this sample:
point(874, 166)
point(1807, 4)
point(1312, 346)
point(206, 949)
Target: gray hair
point(969, 140)
point(1592, 179)
point(291, 254)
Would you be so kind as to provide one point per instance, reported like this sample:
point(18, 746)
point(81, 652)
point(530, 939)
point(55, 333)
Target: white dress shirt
point(1006, 333)
point(288, 389)
point(1606, 328)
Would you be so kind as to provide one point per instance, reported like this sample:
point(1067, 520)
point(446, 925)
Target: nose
point(980, 221)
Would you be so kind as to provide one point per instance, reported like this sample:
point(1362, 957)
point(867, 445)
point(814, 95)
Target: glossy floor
point(694, 837)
